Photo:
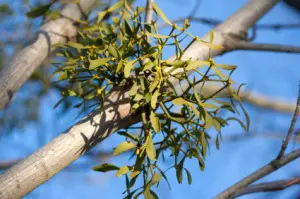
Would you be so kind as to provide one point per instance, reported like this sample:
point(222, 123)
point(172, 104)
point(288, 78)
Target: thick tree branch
point(268, 186)
point(13, 76)
point(258, 174)
point(46, 162)
point(149, 11)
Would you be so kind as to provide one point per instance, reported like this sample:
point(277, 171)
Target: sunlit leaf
point(123, 170)
point(124, 146)
point(150, 149)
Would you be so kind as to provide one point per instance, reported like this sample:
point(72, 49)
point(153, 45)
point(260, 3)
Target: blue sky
point(273, 74)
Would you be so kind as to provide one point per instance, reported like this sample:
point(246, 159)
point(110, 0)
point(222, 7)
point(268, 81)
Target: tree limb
point(24, 63)
point(274, 165)
point(277, 185)
point(258, 174)
point(245, 45)
point(50, 159)
point(214, 22)
point(291, 129)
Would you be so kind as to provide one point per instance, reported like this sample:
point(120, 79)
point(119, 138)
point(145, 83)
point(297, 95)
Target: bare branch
point(274, 165)
point(13, 76)
point(214, 22)
point(291, 129)
point(268, 186)
point(256, 99)
point(245, 45)
point(258, 174)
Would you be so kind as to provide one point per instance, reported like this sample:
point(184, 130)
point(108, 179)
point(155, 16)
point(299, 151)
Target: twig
point(291, 129)
point(214, 22)
point(268, 186)
point(258, 174)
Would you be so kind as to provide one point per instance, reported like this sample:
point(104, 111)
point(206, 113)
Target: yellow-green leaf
point(157, 36)
point(127, 69)
point(150, 149)
point(155, 178)
point(98, 62)
point(123, 170)
point(154, 99)
point(192, 65)
point(124, 146)
point(134, 173)
point(160, 13)
point(113, 51)
point(155, 122)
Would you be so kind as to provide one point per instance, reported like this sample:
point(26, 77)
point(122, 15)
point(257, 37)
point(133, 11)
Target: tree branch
point(268, 186)
point(13, 76)
point(291, 129)
point(214, 22)
point(50, 159)
point(274, 165)
point(149, 11)
point(245, 45)
point(258, 174)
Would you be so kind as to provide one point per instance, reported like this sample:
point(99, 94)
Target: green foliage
point(120, 50)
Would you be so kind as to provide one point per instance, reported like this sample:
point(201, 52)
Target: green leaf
point(192, 65)
point(128, 67)
point(155, 178)
point(150, 149)
point(116, 6)
point(75, 45)
point(179, 171)
point(201, 163)
point(155, 82)
point(189, 176)
point(98, 62)
point(160, 13)
point(154, 99)
point(124, 146)
point(133, 89)
point(105, 167)
point(154, 120)
point(158, 36)
point(113, 51)
point(134, 174)
point(181, 101)
point(204, 144)
point(123, 170)
point(38, 11)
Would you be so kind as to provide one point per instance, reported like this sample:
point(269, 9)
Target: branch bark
point(277, 185)
point(258, 174)
point(17, 72)
point(46, 162)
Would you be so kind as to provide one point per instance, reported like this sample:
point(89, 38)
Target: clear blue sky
point(273, 74)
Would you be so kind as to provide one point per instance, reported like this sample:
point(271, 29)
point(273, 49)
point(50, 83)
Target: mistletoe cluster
point(120, 49)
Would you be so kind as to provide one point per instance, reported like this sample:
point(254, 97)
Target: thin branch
point(258, 174)
point(274, 165)
point(291, 129)
point(277, 185)
point(245, 45)
point(149, 11)
point(254, 98)
point(214, 22)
